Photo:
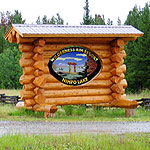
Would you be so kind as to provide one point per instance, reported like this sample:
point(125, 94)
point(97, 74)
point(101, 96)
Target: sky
point(71, 10)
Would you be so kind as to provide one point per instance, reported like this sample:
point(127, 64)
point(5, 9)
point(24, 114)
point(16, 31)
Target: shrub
point(80, 110)
point(68, 109)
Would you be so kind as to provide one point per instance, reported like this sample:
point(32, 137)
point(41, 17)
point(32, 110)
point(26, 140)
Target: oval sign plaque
point(74, 65)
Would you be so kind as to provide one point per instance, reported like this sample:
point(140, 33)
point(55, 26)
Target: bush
point(10, 70)
point(80, 110)
point(68, 109)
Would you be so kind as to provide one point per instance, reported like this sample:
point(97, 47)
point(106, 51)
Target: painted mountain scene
point(74, 65)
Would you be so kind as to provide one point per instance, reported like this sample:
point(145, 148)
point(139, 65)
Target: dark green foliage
point(138, 52)
point(80, 110)
point(53, 20)
point(10, 70)
point(119, 21)
point(109, 22)
point(88, 20)
point(16, 18)
point(68, 109)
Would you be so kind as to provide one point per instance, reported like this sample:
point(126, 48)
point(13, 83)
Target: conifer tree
point(138, 52)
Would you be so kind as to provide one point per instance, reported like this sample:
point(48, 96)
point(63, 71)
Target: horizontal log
point(26, 79)
point(26, 47)
point(26, 94)
point(29, 102)
point(52, 47)
point(39, 65)
point(115, 50)
point(118, 88)
point(94, 83)
point(123, 68)
point(39, 42)
point(106, 68)
point(40, 99)
point(74, 40)
point(29, 108)
point(21, 40)
point(122, 76)
point(116, 72)
point(117, 42)
point(121, 47)
point(39, 91)
point(38, 73)
point(115, 65)
point(70, 40)
point(39, 81)
point(123, 53)
point(38, 49)
point(27, 55)
point(78, 40)
point(77, 92)
point(119, 97)
point(28, 87)
point(79, 100)
point(28, 70)
point(124, 104)
point(117, 58)
point(116, 79)
point(45, 108)
point(124, 83)
point(106, 61)
point(26, 62)
point(38, 57)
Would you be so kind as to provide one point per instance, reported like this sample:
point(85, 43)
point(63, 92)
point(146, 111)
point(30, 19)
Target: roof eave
point(80, 35)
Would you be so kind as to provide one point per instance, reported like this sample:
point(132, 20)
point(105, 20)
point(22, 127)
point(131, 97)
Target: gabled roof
point(48, 30)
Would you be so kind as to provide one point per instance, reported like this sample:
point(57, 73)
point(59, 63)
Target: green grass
point(9, 112)
point(138, 141)
point(142, 94)
point(11, 92)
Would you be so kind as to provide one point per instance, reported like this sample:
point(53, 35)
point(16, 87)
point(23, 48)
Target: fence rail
point(144, 102)
point(9, 99)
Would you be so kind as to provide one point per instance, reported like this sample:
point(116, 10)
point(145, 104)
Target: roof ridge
point(72, 26)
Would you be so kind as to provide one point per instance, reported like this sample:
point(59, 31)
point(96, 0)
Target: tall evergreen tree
point(86, 18)
point(38, 21)
point(52, 20)
point(16, 18)
point(10, 69)
point(119, 21)
point(138, 52)
point(109, 22)
point(45, 20)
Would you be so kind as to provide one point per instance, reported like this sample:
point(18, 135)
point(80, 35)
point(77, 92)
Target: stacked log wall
point(96, 91)
point(118, 70)
point(43, 92)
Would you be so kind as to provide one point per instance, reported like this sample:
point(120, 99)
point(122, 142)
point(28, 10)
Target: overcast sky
point(71, 10)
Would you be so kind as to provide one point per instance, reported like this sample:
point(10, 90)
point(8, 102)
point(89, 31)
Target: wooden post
point(129, 112)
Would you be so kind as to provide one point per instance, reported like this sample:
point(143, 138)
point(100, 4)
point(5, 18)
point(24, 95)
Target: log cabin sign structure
point(93, 70)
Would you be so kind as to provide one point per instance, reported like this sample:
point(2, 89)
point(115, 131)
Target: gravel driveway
point(58, 128)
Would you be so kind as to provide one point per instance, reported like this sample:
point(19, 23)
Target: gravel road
point(58, 128)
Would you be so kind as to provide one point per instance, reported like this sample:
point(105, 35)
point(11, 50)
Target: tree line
point(138, 52)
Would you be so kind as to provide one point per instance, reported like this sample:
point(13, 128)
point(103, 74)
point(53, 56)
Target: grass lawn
point(138, 141)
